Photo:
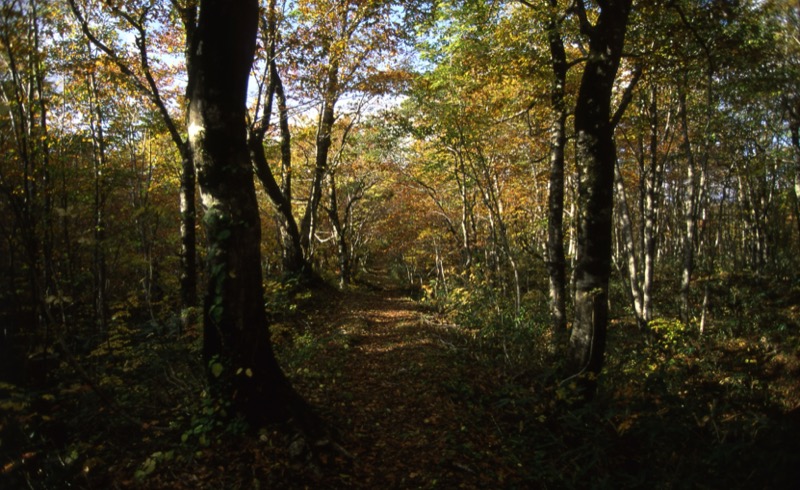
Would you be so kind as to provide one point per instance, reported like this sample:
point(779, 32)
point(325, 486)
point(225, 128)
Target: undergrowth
point(676, 409)
point(501, 335)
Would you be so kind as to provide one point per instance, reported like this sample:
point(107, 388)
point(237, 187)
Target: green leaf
point(146, 469)
point(216, 369)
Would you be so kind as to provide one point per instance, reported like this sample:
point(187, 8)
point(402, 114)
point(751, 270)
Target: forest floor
point(418, 402)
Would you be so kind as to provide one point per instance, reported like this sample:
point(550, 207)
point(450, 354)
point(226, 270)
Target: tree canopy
point(593, 205)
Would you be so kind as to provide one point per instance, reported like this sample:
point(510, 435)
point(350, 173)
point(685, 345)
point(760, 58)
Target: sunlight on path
point(394, 402)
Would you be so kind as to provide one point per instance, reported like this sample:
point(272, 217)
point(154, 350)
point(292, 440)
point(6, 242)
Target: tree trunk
point(696, 172)
point(689, 213)
point(652, 184)
point(339, 234)
point(48, 279)
point(324, 130)
point(294, 263)
point(188, 279)
point(596, 155)
point(293, 257)
point(146, 84)
point(556, 262)
point(188, 207)
point(629, 250)
point(794, 126)
point(237, 349)
point(96, 122)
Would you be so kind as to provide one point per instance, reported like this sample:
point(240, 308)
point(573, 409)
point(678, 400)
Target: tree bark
point(556, 262)
point(96, 121)
point(692, 202)
point(794, 127)
point(596, 156)
point(651, 202)
point(632, 275)
point(340, 234)
point(324, 129)
point(149, 88)
point(188, 253)
point(293, 257)
point(242, 367)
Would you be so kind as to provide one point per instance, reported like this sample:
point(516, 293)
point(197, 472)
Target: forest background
point(433, 148)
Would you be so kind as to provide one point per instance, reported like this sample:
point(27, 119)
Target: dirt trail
point(401, 398)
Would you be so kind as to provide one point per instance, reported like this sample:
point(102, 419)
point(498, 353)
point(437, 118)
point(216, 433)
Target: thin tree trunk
point(325, 128)
point(48, 279)
point(695, 194)
point(651, 202)
point(293, 256)
point(689, 211)
point(99, 161)
point(294, 262)
point(794, 126)
point(146, 84)
point(556, 262)
point(339, 234)
point(629, 250)
point(466, 215)
point(188, 253)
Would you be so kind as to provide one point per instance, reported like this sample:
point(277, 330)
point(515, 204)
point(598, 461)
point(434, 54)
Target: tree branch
point(627, 96)
point(580, 10)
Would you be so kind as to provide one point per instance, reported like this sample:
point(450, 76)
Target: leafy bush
point(511, 340)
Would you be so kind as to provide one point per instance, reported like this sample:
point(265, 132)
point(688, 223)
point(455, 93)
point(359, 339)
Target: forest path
point(406, 403)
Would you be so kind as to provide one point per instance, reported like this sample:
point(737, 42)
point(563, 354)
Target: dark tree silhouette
point(237, 346)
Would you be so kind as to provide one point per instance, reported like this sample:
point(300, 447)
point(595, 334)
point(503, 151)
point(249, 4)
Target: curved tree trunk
point(293, 258)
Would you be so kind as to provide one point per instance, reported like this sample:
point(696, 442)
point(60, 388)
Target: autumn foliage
point(404, 160)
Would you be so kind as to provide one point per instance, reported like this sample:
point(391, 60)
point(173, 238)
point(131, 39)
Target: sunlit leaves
point(362, 41)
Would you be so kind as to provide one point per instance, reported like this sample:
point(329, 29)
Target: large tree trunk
point(188, 207)
point(237, 348)
point(596, 155)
